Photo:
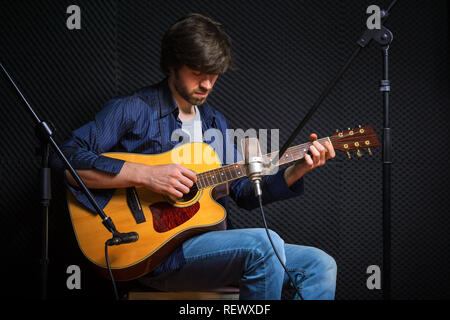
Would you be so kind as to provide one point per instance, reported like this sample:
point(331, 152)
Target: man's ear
point(172, 71)
point(171, 74)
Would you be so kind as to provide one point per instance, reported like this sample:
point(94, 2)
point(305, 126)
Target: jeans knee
point(262, 249)
point(264, 242)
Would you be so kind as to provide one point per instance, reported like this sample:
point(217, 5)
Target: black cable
point(276, 253)
point(110, 272)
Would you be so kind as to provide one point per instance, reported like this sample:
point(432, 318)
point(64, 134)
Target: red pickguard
point(166, 217)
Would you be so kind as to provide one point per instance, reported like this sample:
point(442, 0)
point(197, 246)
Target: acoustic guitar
point(164, 223)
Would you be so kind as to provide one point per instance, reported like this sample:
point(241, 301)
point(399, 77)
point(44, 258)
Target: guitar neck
point(295, 153)
point(239, 169)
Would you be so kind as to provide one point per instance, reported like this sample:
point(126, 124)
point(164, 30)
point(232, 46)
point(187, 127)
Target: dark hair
point(198, 42)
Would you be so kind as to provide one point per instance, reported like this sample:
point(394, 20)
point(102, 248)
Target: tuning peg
point(348, 155)
point(370, 151)
point(359, 153)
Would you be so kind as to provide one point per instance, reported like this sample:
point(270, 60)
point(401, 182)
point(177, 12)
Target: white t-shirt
point(193, 128)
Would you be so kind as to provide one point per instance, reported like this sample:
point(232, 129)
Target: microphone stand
point(383, 37)
point(44, 132)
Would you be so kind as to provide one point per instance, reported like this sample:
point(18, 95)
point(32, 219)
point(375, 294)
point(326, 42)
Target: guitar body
point(168, 222)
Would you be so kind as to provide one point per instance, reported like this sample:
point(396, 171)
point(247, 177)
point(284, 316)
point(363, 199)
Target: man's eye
point(197, 74)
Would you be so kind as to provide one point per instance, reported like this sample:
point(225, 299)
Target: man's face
point(193, 86)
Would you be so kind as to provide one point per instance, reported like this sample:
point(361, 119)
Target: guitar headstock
point(355, 140)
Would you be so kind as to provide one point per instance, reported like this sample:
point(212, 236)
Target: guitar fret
point(223, 177)
point(228, 173)
point(214, 179)
point(202, 180)
point(238, 170)
point(220, 175)
point(198, 183)
point(235, 171)
point(208, 182)
point(205, 181)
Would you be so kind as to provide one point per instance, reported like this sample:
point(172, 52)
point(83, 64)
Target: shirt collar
point(167, 103)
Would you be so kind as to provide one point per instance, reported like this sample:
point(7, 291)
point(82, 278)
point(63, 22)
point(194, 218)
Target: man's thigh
point(213, 259)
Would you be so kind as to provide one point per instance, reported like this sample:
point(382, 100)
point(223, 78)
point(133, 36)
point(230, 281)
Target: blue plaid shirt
point(143, 123)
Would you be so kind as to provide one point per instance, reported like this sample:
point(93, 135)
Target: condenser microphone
point(254, 162)
point(121, 238)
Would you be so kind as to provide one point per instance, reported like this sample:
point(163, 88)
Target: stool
point(225, 293)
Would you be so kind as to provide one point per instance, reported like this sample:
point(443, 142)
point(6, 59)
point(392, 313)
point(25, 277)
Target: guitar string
point(292, 154)
point(290, 151)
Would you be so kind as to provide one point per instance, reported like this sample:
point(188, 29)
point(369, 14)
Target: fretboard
point(239, 169)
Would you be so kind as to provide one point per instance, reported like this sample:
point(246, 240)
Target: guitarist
point(194, 52)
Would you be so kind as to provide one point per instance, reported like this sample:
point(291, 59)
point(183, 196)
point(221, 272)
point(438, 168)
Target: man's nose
point(206, 84)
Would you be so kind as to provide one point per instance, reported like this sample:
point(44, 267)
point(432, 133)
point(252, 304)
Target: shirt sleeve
point(274, 188)
point(83, 149)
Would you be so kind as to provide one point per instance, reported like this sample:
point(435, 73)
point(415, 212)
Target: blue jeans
point(245, 258)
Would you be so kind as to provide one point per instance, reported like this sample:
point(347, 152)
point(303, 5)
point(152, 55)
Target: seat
point(224, 293)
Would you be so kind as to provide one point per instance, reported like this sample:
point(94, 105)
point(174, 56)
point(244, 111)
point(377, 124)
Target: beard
point(187, 95)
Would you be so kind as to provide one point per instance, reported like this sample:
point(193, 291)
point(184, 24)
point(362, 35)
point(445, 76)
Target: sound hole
point(192, 193)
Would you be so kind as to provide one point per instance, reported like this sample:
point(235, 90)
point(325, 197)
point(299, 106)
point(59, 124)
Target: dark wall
point(285, 54)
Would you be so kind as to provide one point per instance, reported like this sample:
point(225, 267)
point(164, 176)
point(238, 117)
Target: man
point(195, 51)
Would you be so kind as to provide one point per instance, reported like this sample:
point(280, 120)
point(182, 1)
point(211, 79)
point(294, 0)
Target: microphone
point(121, 238)
point(254, 162)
